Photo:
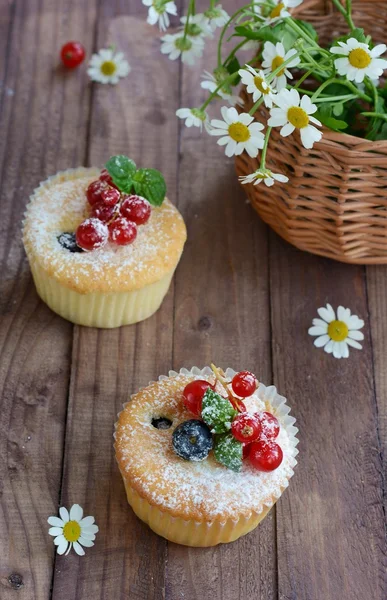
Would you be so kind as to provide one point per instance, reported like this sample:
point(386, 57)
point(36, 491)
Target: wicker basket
point(335, 203)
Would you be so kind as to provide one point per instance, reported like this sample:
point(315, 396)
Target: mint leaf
point(217, 412)
point(228, 451)
point(150, 184)
point(121, 169)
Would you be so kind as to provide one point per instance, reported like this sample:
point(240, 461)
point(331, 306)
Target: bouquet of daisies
point(302, 84)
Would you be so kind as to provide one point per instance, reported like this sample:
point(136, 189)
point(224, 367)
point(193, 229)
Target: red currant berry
point(245, 449)
point(72, 54)
point(91, 234)
point(110, 196)
point(122, 231)
point(265, 455)
point(244, 384)
point(105, 176)
point(245, 427)
point(94, 192)
point(136, 209)
point(193, 395)
point(102, 212)
point(270, 426)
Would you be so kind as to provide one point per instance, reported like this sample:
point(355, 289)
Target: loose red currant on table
point(102, 212)
point(122, 231)
point(245, 427)
point(193, 395)
point(265, 455)
point(136, 209)
point(91, 234)
point(244, 384)
point(72, 54)
point(269, 425)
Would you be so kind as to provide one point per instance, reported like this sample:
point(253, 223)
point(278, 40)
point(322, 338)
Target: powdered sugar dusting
point(59, 205)
point(206, 489)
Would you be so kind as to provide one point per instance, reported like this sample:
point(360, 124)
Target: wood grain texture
point(41, 112)
point(136, 118)
point(222, 296)
point(330, 527)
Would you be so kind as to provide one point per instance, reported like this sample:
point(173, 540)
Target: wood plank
point(221, 315)
point(330, 524)
point(136, 117)
point(39, 127)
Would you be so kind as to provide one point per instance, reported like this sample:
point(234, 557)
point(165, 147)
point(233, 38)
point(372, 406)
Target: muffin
point(103, 246)
point(204, 454)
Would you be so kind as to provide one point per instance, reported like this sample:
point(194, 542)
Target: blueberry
point(192, 440)
point(161, 423)
point(67, 240)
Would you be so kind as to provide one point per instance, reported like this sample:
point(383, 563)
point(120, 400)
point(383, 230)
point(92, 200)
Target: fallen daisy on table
point(108, 66)
point(357, 60)
point(72, 530)
point(265, 175)
point(293, 113)
point(336, 333)
point(238, 132)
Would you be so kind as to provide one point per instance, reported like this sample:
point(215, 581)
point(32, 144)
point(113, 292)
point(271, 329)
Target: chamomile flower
point(194, 117)
point(211, 82)
point(293, 113)
point(336, 333)
point(175, 45)
point(280, 10)
point(198, 26)
point(72, 530)
point(265, 175)
point(108, 66)
point(217, 17)
point(274, 56)
point(238, 132)
point(357, 60)
point(158, 12)
point(257, 85)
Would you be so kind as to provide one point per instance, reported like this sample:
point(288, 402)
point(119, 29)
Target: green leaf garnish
point(217, 412)
point(228, 451)
point(150, 184)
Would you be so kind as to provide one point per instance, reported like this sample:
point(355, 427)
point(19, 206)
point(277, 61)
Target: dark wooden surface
point(241, 297)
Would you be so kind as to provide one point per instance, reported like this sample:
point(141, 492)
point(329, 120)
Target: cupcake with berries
point(103, 245)
point(205, 454)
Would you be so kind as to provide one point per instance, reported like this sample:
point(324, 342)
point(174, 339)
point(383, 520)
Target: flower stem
point(255, 107)
point(344, 82)
point(228, 79)
point(222, 34)
point(346, 12)
point(375, 114)
point(190, 12)
point(264, 149)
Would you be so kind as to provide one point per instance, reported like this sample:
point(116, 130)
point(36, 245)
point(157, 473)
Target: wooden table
point(241, 297)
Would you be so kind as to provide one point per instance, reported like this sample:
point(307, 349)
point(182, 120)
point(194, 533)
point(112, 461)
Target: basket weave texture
point(335, 203)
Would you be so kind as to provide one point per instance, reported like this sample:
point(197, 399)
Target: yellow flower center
point(337, 331)
point(239, 132)
point(359, 58)
point(276, 12)
point(277, 62)
point(108, 67)
point(72, 531)
point(258, 81)
point(297, 117)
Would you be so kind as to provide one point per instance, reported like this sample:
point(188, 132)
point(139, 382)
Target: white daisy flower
point(257, 85)
point(358, 61)
point(335, 334)
point(210, 83)
point(108, 66)
point(193, 116)
point(293, 113)
point(238, 132)
point(265, 175)
point(158, 12)
point(175, 45)
point(274, 56)
point(217, 17)
point(198, 26)
point(72, 530)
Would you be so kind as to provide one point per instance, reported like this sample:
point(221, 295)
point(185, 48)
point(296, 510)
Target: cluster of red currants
point(256, 432)
point(113, 215)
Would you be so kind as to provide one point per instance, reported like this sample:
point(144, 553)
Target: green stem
point(212, 3)
point(345, 12)
point(228, 79)
point(344, 82)
point(302, 79)
point(289, 21)
point(264, 149)
point(335, 98)
point(255, 106)
point(234, 51)
point(375, 114)
point(222, 34)
point(190, 12)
